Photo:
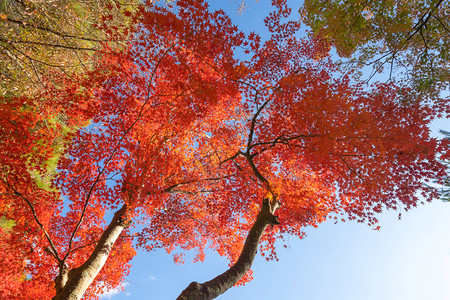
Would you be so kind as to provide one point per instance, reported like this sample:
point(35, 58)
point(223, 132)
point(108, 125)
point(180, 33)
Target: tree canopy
point(193, 137)
point(409, 38)
point(63, 34)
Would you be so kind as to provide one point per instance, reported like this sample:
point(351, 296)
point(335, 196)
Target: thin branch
point(36, 219)
point(37, 74)
point(424, 42)
point(26, 25)
point(252, 126)
point(84, 246)
point(442, 24)
point(50, 45)
point(350, 168)
point(283, 140)
point(232, 157)
point(422, 22)
point(76, 54)
point(171, 189)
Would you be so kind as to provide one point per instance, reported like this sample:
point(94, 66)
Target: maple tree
point(409, 38)
point(38, 36)
point(189, 146)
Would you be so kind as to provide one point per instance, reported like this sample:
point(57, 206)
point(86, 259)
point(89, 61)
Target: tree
point(67, 35)
point(38, 37)
point(25, 150)
point(410, 37)
point(190, 147)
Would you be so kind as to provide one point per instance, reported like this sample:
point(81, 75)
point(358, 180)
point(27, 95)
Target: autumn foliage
point(187, 130)
point(408, 39)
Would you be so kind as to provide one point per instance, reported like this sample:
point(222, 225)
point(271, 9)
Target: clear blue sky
point(406, 259)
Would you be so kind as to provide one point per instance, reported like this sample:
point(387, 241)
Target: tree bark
point(220, 284)
point(79, 279)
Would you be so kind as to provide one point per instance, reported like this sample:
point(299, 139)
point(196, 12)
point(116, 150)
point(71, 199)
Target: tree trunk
point(219, 285)
point(79, 279)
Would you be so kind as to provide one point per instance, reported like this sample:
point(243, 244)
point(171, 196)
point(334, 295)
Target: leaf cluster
point(408, 39)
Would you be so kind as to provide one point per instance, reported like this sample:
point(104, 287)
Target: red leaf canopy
point(190, 133)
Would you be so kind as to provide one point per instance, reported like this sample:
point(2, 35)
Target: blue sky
point(406, 259)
